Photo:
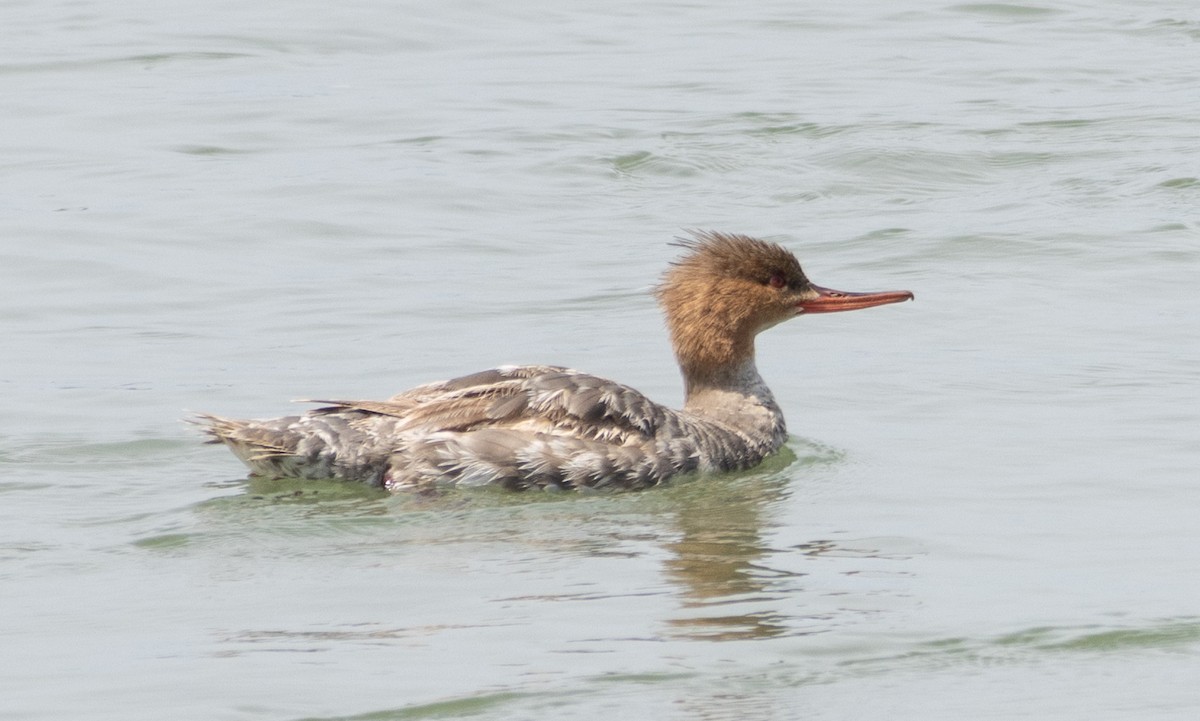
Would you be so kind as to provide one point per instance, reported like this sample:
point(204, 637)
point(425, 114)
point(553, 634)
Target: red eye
point(777, 281)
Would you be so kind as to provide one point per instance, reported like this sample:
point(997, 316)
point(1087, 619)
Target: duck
point(545, 427)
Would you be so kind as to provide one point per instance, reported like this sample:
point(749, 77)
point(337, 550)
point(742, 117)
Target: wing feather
point(547, 399)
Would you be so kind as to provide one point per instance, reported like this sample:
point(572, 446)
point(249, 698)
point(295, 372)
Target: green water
point(986, 509)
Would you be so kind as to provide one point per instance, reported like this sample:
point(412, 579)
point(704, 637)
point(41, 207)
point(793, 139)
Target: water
point(987, 509)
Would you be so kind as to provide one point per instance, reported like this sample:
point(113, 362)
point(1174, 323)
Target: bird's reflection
point(728, 589)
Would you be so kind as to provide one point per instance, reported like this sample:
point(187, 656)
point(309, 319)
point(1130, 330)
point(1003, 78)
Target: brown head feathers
point(721, 293)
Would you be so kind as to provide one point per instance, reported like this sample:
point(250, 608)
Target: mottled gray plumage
point(518, 427)
point(523, 427)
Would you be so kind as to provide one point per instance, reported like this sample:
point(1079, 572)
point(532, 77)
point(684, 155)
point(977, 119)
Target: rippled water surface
point(988, 508)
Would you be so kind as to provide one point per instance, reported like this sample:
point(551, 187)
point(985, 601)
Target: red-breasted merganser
point(523, 427)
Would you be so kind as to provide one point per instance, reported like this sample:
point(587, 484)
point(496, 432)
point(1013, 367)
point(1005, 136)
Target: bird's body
point(522, 427)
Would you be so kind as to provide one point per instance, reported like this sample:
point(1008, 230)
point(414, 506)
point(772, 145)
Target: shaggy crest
point(729, 254)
